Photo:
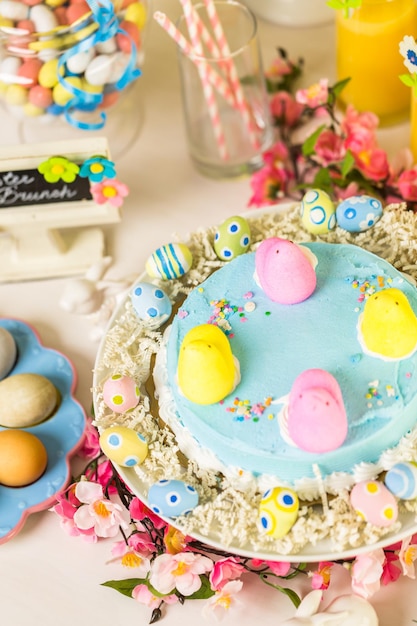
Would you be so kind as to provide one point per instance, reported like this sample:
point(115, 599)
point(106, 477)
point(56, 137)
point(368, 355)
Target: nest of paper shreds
point(227, 515)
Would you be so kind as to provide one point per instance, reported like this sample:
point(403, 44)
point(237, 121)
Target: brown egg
point(23, 458)
point(26, 400)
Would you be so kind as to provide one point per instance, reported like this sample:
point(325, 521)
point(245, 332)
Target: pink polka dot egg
point(123, 446)
point(373, 502)
point(121, 393)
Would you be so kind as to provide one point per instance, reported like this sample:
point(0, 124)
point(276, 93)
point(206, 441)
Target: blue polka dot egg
point(318, 213)
point(401, 480)
point(232, 238)
point(170, 261)
point(278, 511)
point(358, 213)
point(150, 302)
point(171, 498)
point(123, 446)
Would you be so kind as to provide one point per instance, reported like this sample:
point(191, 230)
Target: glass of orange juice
point(368, 52)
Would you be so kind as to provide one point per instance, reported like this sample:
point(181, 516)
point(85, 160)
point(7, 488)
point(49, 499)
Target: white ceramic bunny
point(348, 610)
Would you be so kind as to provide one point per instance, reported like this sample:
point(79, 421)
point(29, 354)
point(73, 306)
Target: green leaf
point(322, 179)
point(338, 87)
point(127, 585)
point(408, 80)
point(204, 592)
point(347, 164)
point(310, 142)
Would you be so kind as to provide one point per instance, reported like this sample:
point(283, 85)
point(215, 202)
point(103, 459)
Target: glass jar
point(297, 13)
point(367, 41)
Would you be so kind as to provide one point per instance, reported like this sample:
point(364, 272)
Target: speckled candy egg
point(358, 213)
point(232, 238)
point(401, 480)
point(150, 302)
point(374, 503)
point(172, 498)
point(318, 214)
point(121, 393)
point(278, 511)
point(26, 399)
point(8, 352)
point(123, 446)
point(169, 261)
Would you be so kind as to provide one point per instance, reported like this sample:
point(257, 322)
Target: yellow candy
point(48, 75)
point(278, 511)
point(388, 326)
point(4, 21)
point(55, 3)
point(16, 94)
point(89, 88)
point(136, 13)
point(31, 110)
point(61, 95)
point(207, 370)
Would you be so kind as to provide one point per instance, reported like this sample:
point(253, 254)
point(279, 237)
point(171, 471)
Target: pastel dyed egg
point(401, 480)
point(358, 213)
point(172, 498)
point(26, 399)
point(278, 511)
point(123, 446)
point(150, 302)
point(169, 261)
point(8, 352)
point(121, 393)
point(232, 238)
point(23, 458)
point(374, 503)
point(318, 213)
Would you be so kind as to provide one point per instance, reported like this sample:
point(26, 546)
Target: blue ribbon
point(108, 26)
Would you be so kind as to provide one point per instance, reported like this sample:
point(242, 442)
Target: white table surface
point(47, 577)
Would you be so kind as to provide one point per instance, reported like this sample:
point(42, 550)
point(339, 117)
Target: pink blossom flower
point(321, 577)
point(142, 594)
point(285, 108)
point(223, 600)
point(225, 570)
point(269, 185)
point(181, 571)
point(279, 67)
point(366, 573)
point(174, 540)
point(109, 190)
point(90, 448)
point(390, 571)
point(128, 557)
point(102, 474)
point(407, 184)
point(329, 148)
point(353, 121)
point(407, 556)
point(98, 513)
point(315, 95)
point(139, 511)
point(369, 159)
point(351, 190)
point(279, 568)
point(141, 542)
point(276, 155)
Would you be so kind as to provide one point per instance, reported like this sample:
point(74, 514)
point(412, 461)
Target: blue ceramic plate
point(61, 434)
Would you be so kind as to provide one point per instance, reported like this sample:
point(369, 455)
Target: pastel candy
point(172, 498)
point(374, 503)
point(150, 302)
point(401, 480)
point(123, 446)
point(278, 511)
point(121, 393)
point(318, 213)
point(388, 325)
point(169, 261)
point(207, 370)
point(358, 213)
point(284, 271)
point(232, 238)
point(317, 419)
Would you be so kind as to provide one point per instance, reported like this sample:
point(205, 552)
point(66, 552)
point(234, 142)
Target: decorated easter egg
point(123, 445)
point(278, 511)
point(26, 400)
point(169, 261)
point(401, 480)
point(374, 503)
point(232, 238)
point(358, 213)
point(172, 498)
point(23, 458)
point(150, 302)
point(8, 352)
point(121, 393)
point(318, 214)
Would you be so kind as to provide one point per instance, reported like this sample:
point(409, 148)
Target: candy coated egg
point(61, 95)
point(169, 261)
point(358, 213)
point(318, 214)
point(28, 72)
point(23, 458)
point(124, 446)
point(48, 74)
point(99, 69)
point(128, 36)
point(9, 66)
point(106, 47)
point(78, 62)
point(31, 110)
point(401, 480)
point(16, 94)
point(278, 511)
point(40, 96)
point(13, 10)
point(120, 63)
point(232, 238)
point(43, 18)
point(26, 25)
point(76, 10)
point(136, 12)
point(150, 302)
point(121, 393)
point(8, 352)
point(374, 503)
point(26, 399)
point(172, 498)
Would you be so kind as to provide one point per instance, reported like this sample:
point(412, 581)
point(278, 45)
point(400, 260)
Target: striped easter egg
point(169, 261)
point(401, 480)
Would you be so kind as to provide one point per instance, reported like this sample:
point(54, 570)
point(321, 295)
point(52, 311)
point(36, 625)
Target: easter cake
point(302, 398)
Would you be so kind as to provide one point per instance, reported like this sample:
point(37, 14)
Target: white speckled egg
point(121, 393)
point(172, 498)
point(26, 399)
point(169, 261)
point(358, 213)
point(232, 238)
point(123, 446)
point(278, 511)
point(8, 352)
point(401, 480)
point(374, 503)
point(150, 302)
point(318, 214)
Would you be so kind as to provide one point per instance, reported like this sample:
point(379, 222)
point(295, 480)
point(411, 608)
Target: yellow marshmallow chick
point(207, 370)
point(388, 326)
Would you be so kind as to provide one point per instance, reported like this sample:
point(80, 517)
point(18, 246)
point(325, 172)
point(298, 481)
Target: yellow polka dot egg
point(318, 213)
point(121, 393)
point(123, 446)
point(374, 503)
point(278, 511)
